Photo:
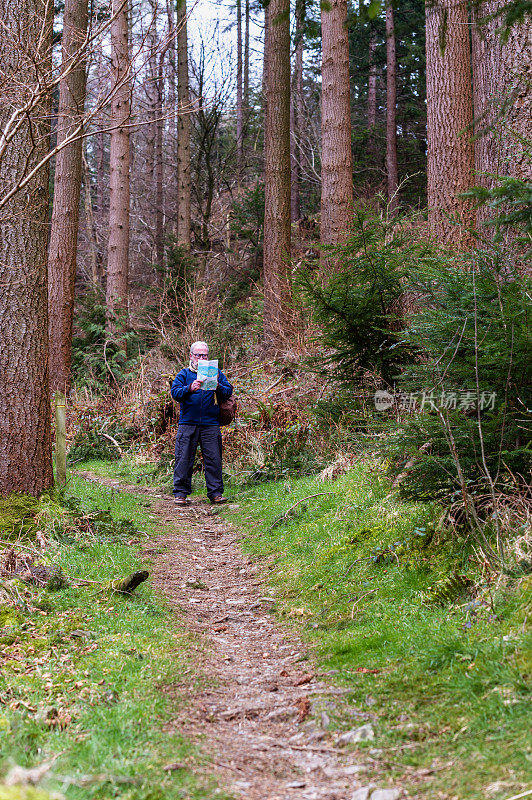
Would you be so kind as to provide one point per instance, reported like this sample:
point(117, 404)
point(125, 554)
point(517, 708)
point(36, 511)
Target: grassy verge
point(84, 673)
point(130, 469)
point(434, 654)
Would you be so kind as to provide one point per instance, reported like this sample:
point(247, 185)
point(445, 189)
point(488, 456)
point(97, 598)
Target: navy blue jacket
point(198, 408)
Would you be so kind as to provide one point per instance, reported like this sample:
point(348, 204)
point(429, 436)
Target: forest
point(336, 197)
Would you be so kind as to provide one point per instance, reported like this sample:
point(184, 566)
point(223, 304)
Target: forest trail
point(260, 717)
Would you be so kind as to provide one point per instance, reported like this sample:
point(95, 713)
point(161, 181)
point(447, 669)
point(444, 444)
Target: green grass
point(452, 691)
point(87, 676)
point(134, 470)
point(130, 469)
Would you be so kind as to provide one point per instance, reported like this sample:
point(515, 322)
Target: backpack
point(228, 409)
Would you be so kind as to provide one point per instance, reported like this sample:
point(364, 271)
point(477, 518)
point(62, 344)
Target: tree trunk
point(171, 189)
point(277, 175)
point(517, 77)
point(391, 110)
point(296, 117)
point(239, 103)
point(488, 89)
point(100, 156)
point(246, 68)
point(502, 100)
point(96, 277)
point(501, 95)
point(265, 62)
point(150, 128)
point(449, 120)
point(336, 156)
point(159, 177)
point(295, 211)
point(372, 84)
point(118, 255)
point(25, 434)
point(62, 251)
point(183, 140)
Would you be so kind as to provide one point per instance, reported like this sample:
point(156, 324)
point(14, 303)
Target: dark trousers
point(186, 443)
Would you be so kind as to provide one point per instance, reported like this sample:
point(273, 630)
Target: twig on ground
point(228, 766)
point(355, 604)
point(287, 745)
point(276, 381)
point(286, 513)
point(518, 796)
point(350, 567)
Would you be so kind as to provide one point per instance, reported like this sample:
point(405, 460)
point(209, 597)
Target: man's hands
point(195, 385)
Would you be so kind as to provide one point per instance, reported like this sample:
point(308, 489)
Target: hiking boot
point(218, 500)
point(179, 500)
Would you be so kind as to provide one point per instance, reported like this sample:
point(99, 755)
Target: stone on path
point(363, 792)
point(362, 734)
point(386, 794)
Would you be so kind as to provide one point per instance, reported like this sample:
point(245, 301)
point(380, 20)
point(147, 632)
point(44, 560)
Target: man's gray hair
point(198, 344)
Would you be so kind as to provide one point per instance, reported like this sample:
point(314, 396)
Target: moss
point(9, 617)
point(17, 515)
point(24, 793)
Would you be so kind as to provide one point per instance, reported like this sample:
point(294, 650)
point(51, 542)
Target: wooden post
point(60, 438)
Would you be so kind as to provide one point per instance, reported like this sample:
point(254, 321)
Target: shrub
point(474, 376)
point(100, 361)
point(359, 306)
point(461, 353)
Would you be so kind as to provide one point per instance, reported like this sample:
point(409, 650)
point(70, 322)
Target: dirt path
point(264, 715)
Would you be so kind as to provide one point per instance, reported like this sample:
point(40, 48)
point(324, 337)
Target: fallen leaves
point(299, 612)
point(307, 677)
point(303, 707)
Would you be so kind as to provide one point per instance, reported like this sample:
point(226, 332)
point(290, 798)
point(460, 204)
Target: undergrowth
point(435, 650)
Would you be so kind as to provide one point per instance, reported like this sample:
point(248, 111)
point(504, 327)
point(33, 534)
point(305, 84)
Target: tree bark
point(96, 276)
point(119, 158)
point(25, 433)
point(239, 101)
point(517, 77)
point(183, 140)
point(502, 97)
point(246, 67)
point(336, 155)
point(372, 83)
point(296, 116)
point(277, 175)
point(100, 154)
point(266, 51)
point(449, 120)
point(62, 250)
point(171, 189)
point(150, 129)
point(159, 176)
point(488, 92)
point(502, 100)
point(391, 110)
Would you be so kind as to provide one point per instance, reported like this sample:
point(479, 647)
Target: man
point(199, 414)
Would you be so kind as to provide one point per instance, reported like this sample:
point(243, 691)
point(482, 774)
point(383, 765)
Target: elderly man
point(199, 414)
